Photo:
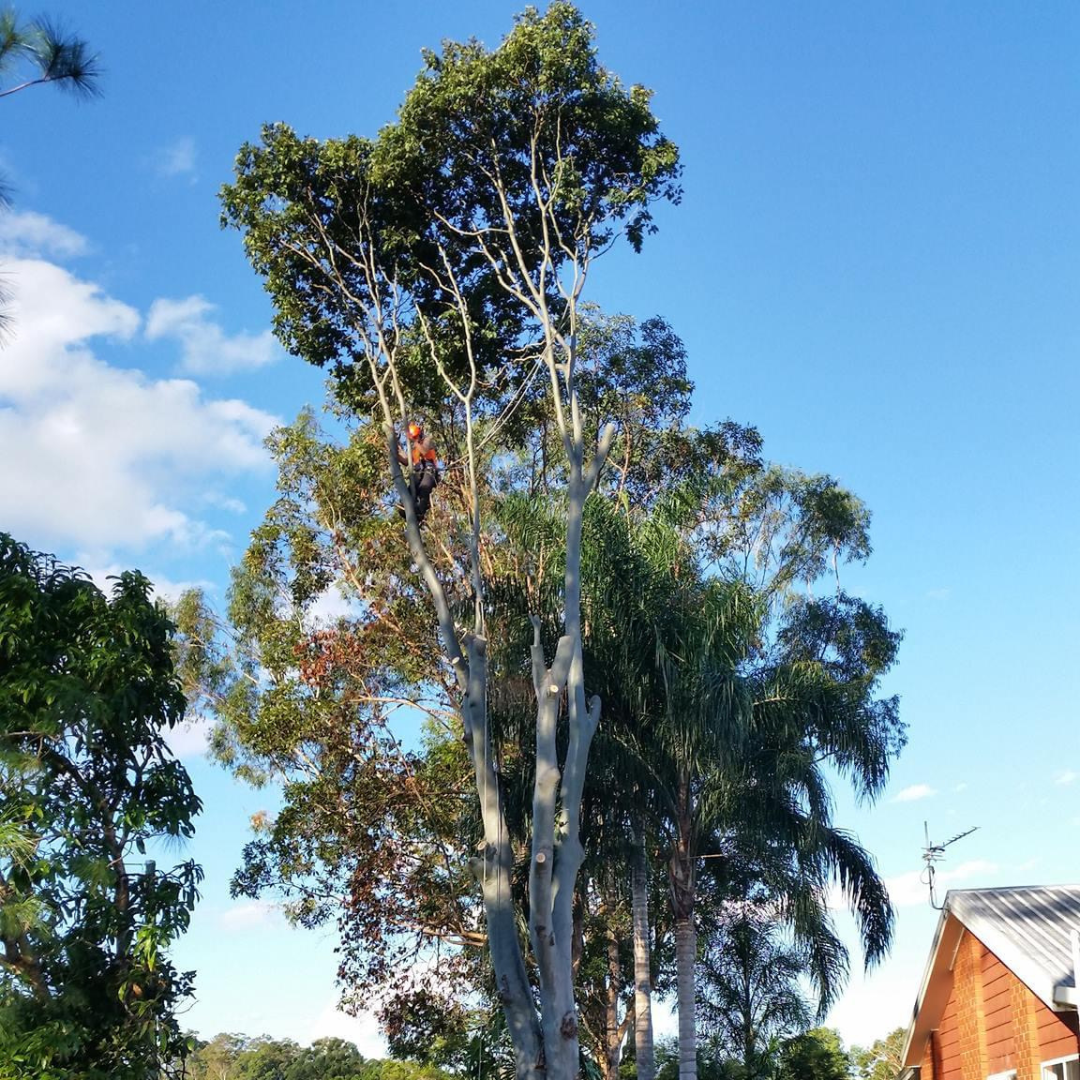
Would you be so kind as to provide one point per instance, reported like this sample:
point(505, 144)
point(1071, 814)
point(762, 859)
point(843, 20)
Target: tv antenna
point(934, 853)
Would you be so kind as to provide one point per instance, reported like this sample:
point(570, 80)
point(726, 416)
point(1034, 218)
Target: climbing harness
point(424, 462)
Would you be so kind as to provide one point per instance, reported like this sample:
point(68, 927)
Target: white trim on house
point(1067, 1074)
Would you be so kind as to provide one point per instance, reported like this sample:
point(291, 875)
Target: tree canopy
point(438, 271)
point(87, 691)
point(237, 1057)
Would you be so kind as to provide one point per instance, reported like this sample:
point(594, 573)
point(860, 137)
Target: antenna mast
point(934, 853)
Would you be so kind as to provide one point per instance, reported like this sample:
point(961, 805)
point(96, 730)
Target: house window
point(1063, 1069)
point(1010, 1075)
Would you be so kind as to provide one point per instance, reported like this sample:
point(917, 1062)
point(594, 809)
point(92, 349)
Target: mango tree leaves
point(87, 690)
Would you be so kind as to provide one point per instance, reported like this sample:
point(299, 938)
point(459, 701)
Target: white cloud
point(96, 456)
point(363, 1030)
point(1066, 776)
point(250, 914)
point(911, 889)
point(330, 607)
point(914, 793)
point(191, 739)
point(962, 786)
point(163, 587)
point(28, 233)
point(206, 348)
point(178, 158)
point(226, 502)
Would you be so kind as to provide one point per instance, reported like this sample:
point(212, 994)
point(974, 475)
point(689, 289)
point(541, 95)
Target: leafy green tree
point(327, 1059)
point(709, 1065)
point(633, 560)
point(87, 691)
point(437, 270)
point(373, 835)
point(328, 723)
point(883, 1059)
point(330, 524)
point(818, 1054)
point(237, 1057)
point(741, 711)
point(216, 1059)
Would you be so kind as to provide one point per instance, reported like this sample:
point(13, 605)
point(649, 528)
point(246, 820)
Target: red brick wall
point(993, 1022)
point(947, 1038)
point(968, 989)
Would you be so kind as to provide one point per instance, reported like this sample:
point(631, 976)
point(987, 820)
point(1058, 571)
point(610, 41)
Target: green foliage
point(814, 1055)
point(436, 270)
point(709, 1065)
point(722, 698)
point(446, 235)
point(87, 689)
point(751, 992)
point(371, 835)
point(314, 702)
point(883, 1059)
point(537, 110)
point(33, 52)
point(236, 1057)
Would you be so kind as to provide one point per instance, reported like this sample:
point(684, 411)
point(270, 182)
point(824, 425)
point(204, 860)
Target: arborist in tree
point(425, 469)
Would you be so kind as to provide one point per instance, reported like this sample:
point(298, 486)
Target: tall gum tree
point(439, 269)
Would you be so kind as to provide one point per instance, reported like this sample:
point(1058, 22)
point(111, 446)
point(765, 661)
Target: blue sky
point(877, 262)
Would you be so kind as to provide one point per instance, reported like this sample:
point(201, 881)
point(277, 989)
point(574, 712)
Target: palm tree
point(752, 997)
point(745, 715)
point(718, 712)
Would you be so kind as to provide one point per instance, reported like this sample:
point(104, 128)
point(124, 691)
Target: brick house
point(999, 997)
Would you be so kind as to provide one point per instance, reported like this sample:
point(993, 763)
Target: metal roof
point(1029, 930)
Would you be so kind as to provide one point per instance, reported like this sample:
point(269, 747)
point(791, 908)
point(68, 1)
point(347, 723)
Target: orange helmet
point(416, 431)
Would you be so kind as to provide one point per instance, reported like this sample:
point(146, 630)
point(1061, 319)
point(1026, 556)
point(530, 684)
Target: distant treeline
point(237, 1057)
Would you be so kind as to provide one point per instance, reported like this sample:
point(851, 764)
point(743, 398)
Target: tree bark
point(639, 894)
point(552, 942)
point(613, 1031)
point(685, 955)
point(550, 1048)
point(681, 880)
point(556, 877)
point(493, 870)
